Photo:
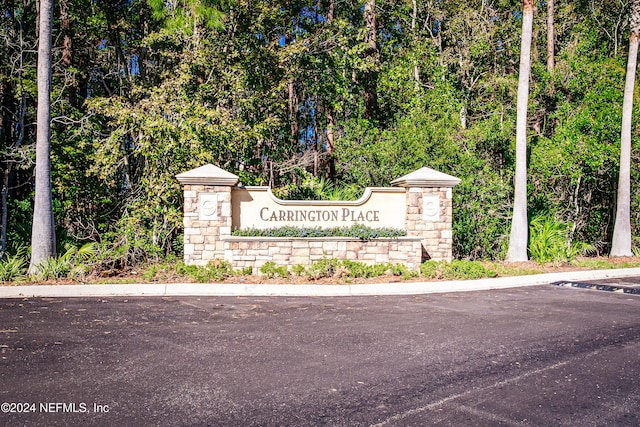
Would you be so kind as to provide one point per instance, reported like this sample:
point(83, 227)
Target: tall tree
point(621, 242)
point(371, 57)
point(550, 37)
point(416, 68)
point(519, 225)
point(43, 242)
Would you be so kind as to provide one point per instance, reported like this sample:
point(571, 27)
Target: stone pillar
point(207, 212)
point(430, 211)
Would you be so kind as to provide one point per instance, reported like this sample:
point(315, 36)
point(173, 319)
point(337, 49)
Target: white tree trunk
point(550, 37)
point(416, 68)
point(518, 238)
point(621, 242)
point(43, 243)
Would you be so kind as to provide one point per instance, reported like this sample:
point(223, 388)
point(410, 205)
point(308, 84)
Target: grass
point(606, 264)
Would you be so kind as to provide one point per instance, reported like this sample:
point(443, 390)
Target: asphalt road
point(542, 356)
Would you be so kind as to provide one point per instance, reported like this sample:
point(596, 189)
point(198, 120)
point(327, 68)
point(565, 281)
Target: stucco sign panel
point(257, 207)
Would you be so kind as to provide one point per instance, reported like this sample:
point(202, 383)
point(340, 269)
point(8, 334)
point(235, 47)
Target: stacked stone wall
point(204, 232)
point(435, 229)
point(254, 252)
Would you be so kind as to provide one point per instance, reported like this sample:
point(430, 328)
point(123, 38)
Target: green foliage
point(549, 241)
point(270, 269)
point(355, 269)
point(72, 263)
point(215, 271)
point(274, 93)
point(20, 213)
point(13, 267)
point(314, 188)
point(184, 16)
point(298, 269)
point(347, 269)
point(431, 269)
point(324, 267)
point(481, 214)
point(357, 231)
point(573, 171)
point(456, 269)
point(151, 273)
point(132, 243)
point(403, 271)
point(52, 269)
point(603, 264)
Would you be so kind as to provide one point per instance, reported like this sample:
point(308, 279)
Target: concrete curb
point(240, 289)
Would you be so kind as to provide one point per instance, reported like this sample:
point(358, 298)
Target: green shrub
point(13, 267)
point(150, 273)
point(357, 231)
point(52, 269)
point(309, 187)
point(549, 241)
point(431, 269)
point(403, 271)
point(456, 269)
point(73, 263)
point(195, 272)
point(270, 269)
point(333, 267)
point(358, 269)
point(298, 269)
point(324, 267)
point(462, 269)
point(215, 271)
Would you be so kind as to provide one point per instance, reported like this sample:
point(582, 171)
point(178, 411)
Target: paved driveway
point(542, 356)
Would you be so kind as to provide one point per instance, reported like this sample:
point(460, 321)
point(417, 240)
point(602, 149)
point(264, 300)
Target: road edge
point(245, 289)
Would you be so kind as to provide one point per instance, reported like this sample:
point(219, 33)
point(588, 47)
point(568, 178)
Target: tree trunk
point(293, 113)
point(416, 69)
point(328, 108)
point(519, 225)
point(621, 241)
point(331, 143)
point(551, 49)
point(65, 27)
point(6, 173)
point(7, 136)
point(293, 103)
point(67, 49)
point(43, 242)
point(371, 75)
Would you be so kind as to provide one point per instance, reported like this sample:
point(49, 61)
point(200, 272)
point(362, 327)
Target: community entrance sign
point(257, 207)
point(215, 204)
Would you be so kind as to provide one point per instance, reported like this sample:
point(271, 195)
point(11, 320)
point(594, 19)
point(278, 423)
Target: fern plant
point(549, 241)
point(70, 264)
point(13, 267)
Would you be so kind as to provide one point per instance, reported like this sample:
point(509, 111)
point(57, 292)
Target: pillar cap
point(426, 177)
point(208, 175)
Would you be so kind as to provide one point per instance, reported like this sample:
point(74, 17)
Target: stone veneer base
point(254, 252)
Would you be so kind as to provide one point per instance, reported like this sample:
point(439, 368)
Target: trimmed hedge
point(358, 231)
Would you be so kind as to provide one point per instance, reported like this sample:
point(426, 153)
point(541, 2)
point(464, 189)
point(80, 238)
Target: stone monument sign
point(215, 204)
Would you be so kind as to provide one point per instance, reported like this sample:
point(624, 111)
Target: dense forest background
point(319, 99)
